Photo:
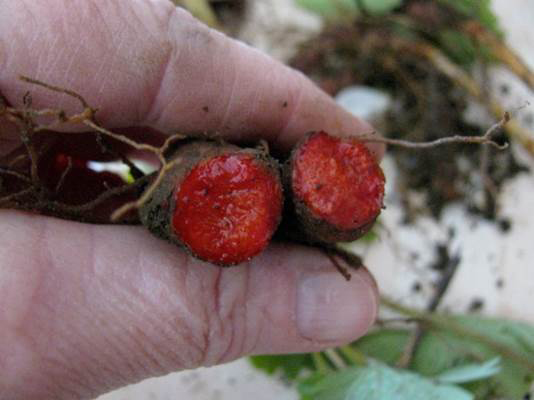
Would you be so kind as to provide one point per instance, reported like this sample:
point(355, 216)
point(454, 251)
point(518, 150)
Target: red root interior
point(338, 180)
point(227, 208)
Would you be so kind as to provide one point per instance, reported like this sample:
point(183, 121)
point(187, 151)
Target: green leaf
point(378, 382)
point(461, 48)
point(288, 366)
point(471, 372)
point(200, 9)
point(332, 386)
point(458, 46)
point(385, 345)
point(441, 350)
point(516, 338)
point(479, 10)
point(379, 7)
point(369, 237)
point(330, 8)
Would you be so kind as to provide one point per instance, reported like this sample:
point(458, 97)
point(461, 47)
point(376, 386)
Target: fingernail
point(330, 309)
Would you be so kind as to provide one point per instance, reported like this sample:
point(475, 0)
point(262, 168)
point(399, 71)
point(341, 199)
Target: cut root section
point(337, 187)
point(220, 202)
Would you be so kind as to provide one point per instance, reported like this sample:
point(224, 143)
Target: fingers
point(88, 308)
point(148, 63)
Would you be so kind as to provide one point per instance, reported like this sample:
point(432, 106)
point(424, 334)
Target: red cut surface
point(227, 208)
point(338, 180)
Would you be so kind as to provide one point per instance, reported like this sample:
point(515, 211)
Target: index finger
point(148, 63)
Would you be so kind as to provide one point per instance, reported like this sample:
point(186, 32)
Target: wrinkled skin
point(88, 308)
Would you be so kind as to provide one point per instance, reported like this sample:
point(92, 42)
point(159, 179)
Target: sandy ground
point(496, 268)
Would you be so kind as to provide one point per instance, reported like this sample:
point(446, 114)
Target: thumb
point(90, 308)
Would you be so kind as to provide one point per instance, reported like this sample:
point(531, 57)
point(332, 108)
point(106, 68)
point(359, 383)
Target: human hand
point(87, 308)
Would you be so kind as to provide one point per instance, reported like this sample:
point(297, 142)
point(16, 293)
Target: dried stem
point(456, 74)
point(87, 117)
point(486, 138)
point(134, 205)
point(410, 347)
point(170, 140)
point(17, 159)
point(335, 359)
point(443, 283)
point(491, 190)
point(398, 320)
point(64, 175)
point(26, 135)
point(501, 51)
point(16, 174)
point(334, 253)
point(56, 89)
point(441, 322)
point(15, 196)
point(122, 138)
point(117, 191)
point(75, 212)
point(416, 335)
point(341, 269)
point(24, 118)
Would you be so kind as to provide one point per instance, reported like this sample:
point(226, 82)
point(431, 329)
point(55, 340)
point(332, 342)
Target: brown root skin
point(301, 224)
point(317, 230)
point(158, 211)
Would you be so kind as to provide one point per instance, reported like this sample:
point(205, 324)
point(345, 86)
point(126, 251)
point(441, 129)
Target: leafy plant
point(288, 367)
point(447, 33)
point(377, 382)
point(464, 356)
point(474, 339)
point(479, 10)
point(349, 8)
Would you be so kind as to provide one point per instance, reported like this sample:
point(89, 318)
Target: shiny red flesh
point(227, 208)
point(338, 180)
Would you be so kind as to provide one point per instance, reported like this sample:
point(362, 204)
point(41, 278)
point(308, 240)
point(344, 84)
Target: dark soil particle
point(504, 89)
point(417, 287)
point(505, 225)
point(442, 258)
point(476, 305)
point(230, 13)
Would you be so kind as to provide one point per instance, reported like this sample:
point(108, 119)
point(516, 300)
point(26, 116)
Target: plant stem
point(461, 78)
point(320, 363)
point(335, 359)
point(501, 51)
point(441, 322)
point(202, 10)
point(353, 355)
